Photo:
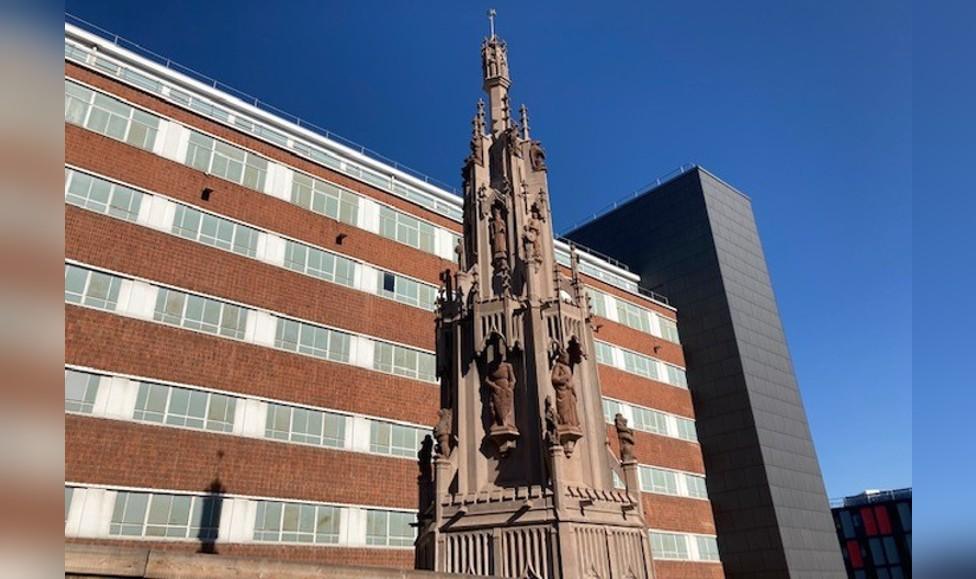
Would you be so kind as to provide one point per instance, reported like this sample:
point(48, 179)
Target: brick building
point(249, 340)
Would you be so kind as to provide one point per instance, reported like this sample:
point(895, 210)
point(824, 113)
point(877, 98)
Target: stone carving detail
point(442, 432)
point(533, 249)
point(537, 156)
point(499, 234)
point(500, 380)
point(567, 420)
point(552, 422)
point(625, 436)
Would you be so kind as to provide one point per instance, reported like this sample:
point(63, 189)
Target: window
point(696, 486)
point(109, 116)
point(404, 362)
point(101, 196)
point(884, 523)
point(304, 425)
point(312, 340)
point(69, 493)
point(877, 552)
point(389, 528)
point(846, 524)
point(686, 429)
point(325, 198)
point(669, 546)
point(604, 353)
point(406, 229)
point(296, 523)
point(394, 439)
point(320, 264)
point(80, 390)
point(891, 550)
point(405, 290)
point(91, 288)
point(598, 302)
point(905, 515)
point(198, 313)
point(707, 548)
point(656, 480)
point(641, 365)
point(676, 376)
point(650, 420)
point(216, 231)
point(610, 410)
point(161, 515)
point(633, 316)
point(184, 407)
point(226, 161)
point(669, 329)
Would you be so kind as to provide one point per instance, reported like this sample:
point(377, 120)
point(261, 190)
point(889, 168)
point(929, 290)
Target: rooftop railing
point(251, 100)
point(870, 498)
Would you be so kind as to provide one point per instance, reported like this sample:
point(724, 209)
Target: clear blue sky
point(804, 107)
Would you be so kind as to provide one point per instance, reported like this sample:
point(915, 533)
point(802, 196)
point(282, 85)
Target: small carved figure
point(501, 381)
point(442, 431)
point(499, 233)
point(537, 156)
point(532, 250)
point(424, 457)
point(625, 435)
point(562, 382)
point(552, 422)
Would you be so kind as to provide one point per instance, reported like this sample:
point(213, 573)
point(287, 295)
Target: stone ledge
point(120, 561)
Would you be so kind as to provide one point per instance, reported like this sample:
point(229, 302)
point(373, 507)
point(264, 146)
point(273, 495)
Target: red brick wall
point(103, 241)
point(686, 570)
point(617, 383)
point(678, 513)
point(149, 456)
point(112, 342)
point(366, 557)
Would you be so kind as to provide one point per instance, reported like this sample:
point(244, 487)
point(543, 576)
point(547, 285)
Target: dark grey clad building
point(694, 239)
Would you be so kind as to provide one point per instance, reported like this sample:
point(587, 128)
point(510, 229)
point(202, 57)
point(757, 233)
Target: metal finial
point(491, 22)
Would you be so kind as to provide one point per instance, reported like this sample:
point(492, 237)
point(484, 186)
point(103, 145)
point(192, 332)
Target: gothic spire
point(494, 66)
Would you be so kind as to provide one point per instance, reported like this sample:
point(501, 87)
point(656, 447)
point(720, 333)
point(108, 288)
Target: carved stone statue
point(552, 422)
point(562, 382)
point(533, 251)
point(499, 234)
point(442, 431)
point(625, 436)
point(501, 382)
point(537, 156)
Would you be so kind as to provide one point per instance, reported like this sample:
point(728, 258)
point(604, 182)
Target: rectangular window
point(854, 553)
point(91, 288)
point(884, 524)
point(610, 410)
point(325, 198)
point(707, 548)
point(184, 407)
point(655, 480)
point(199, 313)
point(80, 390)
point(406, 229)
point(604, 353)
point(226, 161)
point(676, 376)
point(307, 426)
point(877, 552)
point(634, 317)
point(891, 550)
point(686, 429)
point(402, 361)
point(640, 365)
point(846, 524)
point(669, 329)
point(405, 290)
point(598, 302)
point(69, 493)
point(215, 231)
point(696, 486)
point(320, 264)
point(101, 196)
point(868, 517)
point(109, 116)
point(905, 516)
point(312, 340)
point(139, 514)
point(296, 523)
point(650, 420)
point(389, 528)
point(669, 546)
point(394, 439)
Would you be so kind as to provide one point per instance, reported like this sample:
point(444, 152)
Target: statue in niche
point(533, 251)
point(501, 382)
point(537, 156)
point(499, 234)
point(538, 209)
point(625, 436)
point(442, 431)
point(552, 422)
point(562, 383)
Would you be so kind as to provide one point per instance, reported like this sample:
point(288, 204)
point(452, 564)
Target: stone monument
point(522, 481)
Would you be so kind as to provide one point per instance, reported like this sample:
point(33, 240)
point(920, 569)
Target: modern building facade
point(694, 238)
point(875, 532)
point(249, 333)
